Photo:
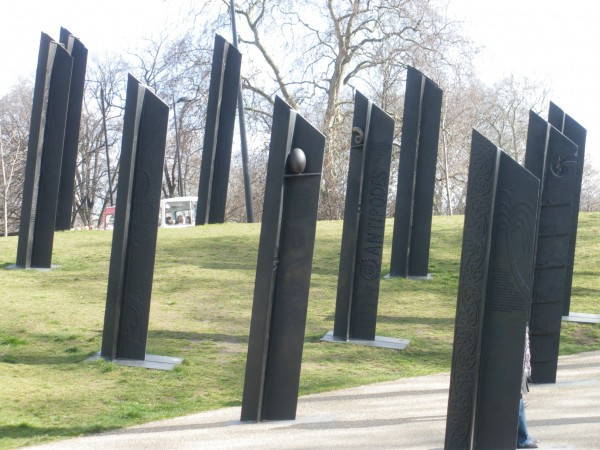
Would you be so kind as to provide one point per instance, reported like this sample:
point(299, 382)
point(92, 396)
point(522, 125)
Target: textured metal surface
point(378, 341)
point(551, 156)
point(493, 300)
point(582, 318)
point(69, 158)
point(416, 176)
point(136, 222)
point(44, 155)
point(218, 134)
point(155, 362)
point(283, 270)
point(364, 221)
point(576, 133)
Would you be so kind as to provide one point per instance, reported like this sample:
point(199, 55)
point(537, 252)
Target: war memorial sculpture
point(218, 134)
point(576, 133)
point(44, 155)
point(494, 296)
point(134, 237)
point(79, 53)
point(416, 177)
point(284, 267)
point(551, 157)
point(364, 226)
point(518, 242)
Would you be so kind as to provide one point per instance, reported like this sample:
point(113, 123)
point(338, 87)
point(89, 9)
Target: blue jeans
point(523, 437)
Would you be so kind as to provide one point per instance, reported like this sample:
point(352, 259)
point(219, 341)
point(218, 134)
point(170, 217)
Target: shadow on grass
point(585, 273)
point(217, 253)
point(44, 359)
point(237, 253)
point(412, 320)
point(80, 355)
point(584, 292)
point(197, 337)
point(25, 431)
point(407, 320)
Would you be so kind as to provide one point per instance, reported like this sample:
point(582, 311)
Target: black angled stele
point(364, 222)
point(283, 268)
point(552, 157)
point(416, 177)
point(136, 222)
point(44, 155)
point(69, 158)
point(576, 133)
point(494, 297)
point(218, 133)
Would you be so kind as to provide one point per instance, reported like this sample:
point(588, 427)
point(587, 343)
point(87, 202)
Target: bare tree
point(315, 55)
point(590, 188)
point(310, 53)
point(178, 69)
point(461, 107)
point(500, 112)
point(15, 117)
point(505, 116)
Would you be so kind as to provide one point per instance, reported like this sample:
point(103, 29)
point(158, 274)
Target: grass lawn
point(50, 322)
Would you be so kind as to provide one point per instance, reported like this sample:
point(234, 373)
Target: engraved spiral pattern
point(477, 226)
point(369, 268)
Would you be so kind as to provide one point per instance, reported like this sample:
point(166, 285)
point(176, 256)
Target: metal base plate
point(151, 362)
point(39, 269)
point(409, 277)
point(380, 341)
point(582, 318)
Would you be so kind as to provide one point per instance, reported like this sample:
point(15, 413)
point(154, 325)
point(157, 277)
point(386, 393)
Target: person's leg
point(522, 427)
point(523, 438)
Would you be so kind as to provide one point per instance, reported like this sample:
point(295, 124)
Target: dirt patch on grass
point(584, 334)
point(231, 347)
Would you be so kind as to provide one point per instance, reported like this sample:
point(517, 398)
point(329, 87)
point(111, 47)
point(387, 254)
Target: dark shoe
point(532, 444)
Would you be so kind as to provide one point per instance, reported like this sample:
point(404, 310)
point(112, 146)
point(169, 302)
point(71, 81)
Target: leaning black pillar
point(283, 268)
point(494, 295)
point(218, 133)
point(550, 156)
point(134, 236)
point(78, 52)
point(364, 225)
point(575, 132)
point(416, 177)
point(44, 155)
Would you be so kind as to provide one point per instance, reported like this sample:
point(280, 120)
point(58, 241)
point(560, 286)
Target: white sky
point(103, 26)
point(551, 40)
point(556, 41)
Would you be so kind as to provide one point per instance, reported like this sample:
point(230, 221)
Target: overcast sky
point(103, 26)
point(550, 40)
